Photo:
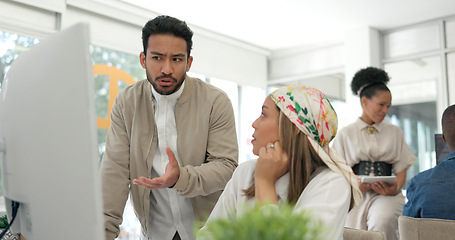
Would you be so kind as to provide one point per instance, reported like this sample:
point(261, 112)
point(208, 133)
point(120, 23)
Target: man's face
point(166, 62)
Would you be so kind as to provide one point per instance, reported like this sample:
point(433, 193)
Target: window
point(232, 90)
point(113, 71)
point(451, 76)
point(414, 87)
point(251, 100)
point(416, 60)
point(414, 99)
point(412, 40)
point(419, 128)
point(11, 46)
point(414, 79)
point(450, 32)
point(247, 103)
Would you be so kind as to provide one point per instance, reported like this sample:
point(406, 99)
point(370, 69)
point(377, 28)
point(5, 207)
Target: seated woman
point(295, 164)
point(373, 147)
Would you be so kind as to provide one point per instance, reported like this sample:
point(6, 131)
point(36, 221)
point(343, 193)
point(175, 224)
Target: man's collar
point(172, 96)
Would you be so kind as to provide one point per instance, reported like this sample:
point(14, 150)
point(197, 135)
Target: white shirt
point(387, 145)
point(169, 212)
point(327, 195)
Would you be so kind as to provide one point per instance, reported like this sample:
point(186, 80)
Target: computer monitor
point(48, 136)
point(442, 149)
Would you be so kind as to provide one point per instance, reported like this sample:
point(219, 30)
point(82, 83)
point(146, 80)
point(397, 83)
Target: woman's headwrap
point(313, 114)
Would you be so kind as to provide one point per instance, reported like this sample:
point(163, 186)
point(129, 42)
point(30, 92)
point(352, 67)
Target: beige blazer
point(206, 146)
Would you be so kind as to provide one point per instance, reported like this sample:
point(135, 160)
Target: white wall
point(362, 50)
point(315, 66)
point(230, 60)
point(117, 25)
point(38, 23)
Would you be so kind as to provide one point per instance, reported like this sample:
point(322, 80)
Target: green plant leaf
point(266, 222)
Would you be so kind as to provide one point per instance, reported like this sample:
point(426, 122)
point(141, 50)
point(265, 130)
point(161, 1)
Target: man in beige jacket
point(172, 141)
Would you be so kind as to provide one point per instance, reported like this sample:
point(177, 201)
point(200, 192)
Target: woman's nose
point(254, 123)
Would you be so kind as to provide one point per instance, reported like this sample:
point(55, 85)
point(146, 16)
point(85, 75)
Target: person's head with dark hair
point(167, 25)
point(370, 84)
point(448, 127)
point(166, 57)
point(368, 80)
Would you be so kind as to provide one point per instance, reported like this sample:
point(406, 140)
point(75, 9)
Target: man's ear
point(188, 65)
point(443, 138)
point(142, 59)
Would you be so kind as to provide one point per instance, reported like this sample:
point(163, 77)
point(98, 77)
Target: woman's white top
point(327, 195)
point(388, 145)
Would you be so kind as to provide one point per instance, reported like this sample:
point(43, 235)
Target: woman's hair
point(303, 159)
point(368, 80)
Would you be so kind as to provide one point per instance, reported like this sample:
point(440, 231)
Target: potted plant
point(266, 222)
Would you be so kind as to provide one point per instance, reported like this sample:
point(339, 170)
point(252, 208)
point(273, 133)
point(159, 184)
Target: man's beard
point(165, 90)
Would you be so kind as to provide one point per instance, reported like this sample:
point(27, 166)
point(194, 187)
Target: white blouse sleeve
point(232, 196)
point(343, 145)
point(338, 144)
point(404, 154)
point(328, 198)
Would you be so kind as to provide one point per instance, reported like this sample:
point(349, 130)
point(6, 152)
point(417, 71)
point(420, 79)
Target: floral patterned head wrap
point(312, 113)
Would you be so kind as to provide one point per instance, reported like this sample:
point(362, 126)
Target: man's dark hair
point(448, 126)
point(167, 25)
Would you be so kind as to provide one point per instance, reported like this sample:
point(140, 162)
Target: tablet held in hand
point(373, 179)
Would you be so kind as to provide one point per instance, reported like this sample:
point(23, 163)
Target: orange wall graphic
point(115, 75)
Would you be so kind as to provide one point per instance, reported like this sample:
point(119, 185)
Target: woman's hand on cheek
point(271, 164)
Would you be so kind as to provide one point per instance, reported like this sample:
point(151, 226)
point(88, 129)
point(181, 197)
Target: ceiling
point(274, 25)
